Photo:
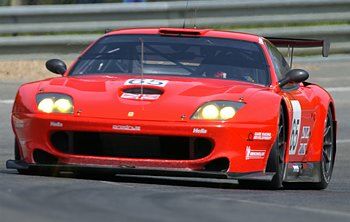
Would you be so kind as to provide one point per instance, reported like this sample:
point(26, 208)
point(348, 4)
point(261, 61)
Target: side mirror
point(294, 76)
point(56, 66)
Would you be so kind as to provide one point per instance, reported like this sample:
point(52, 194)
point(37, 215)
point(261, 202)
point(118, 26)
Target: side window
point(280, 64)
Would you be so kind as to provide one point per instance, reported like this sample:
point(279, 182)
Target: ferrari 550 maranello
point(180, 102)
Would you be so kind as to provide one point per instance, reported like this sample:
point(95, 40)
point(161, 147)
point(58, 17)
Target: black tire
point(17, 153)
point(328, 153)
point(18, 157)
point(276, 163)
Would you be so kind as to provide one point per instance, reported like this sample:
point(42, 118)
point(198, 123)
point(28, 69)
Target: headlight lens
point(54, 103)
point(217, 110)
point(210, 112)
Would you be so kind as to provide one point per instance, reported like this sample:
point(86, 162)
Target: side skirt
point(303, 172)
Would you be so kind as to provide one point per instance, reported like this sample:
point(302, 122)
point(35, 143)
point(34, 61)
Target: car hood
point(118, 96)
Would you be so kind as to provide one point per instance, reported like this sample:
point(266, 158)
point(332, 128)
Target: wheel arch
point(334, 121)
point(287, 120)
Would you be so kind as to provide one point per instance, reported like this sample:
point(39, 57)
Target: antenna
point(142, 59)
point(185, 16)
point(195, 19)
point(291, 57)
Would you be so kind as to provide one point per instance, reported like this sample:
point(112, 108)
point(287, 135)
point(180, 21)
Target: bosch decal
point(126, 127)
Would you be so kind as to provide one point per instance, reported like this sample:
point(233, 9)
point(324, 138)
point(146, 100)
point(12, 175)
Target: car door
point(301, 99)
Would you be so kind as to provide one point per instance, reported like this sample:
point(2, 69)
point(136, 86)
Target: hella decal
point(254, 154)
point(126, 127)
point(200, 131)
point(146, 82)
point(56, 124)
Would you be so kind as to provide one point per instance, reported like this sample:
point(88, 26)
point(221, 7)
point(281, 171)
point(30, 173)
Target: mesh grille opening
point(145, 90)
point(219, 165)
point(43, 157)
point(131, 146)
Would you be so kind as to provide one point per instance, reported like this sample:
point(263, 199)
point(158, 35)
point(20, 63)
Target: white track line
point(338, 89)
point(305, 209)
point(343, 141)
point(6, 101)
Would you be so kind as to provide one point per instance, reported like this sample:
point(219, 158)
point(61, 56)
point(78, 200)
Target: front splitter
point(129, 170)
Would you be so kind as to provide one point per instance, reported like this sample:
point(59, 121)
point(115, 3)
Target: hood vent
point(146, 90)
point(136, 93)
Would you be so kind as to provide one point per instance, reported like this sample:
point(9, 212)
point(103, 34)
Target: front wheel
point(276, 163)
point(19, 157)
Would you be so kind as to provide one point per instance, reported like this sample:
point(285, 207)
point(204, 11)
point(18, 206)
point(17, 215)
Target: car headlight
point(54, 103)
point(217, 110)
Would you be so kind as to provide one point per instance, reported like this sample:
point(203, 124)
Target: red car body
point(239, 148)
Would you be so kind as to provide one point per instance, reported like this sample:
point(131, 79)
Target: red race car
point(180, 102)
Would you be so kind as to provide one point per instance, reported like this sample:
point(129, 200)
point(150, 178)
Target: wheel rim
point(281, 142)
point(327, 149)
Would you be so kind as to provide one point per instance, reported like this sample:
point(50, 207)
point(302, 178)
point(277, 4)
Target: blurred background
point(48, 2)
point(32, 31)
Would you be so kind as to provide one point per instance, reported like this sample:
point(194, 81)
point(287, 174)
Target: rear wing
point(301, 43)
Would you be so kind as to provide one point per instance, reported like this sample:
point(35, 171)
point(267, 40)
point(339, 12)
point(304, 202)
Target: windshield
point(181, 56)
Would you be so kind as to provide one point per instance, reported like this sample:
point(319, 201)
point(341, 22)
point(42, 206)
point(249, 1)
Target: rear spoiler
point(301, 43)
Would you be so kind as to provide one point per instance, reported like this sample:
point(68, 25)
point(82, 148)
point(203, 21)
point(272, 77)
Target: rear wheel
point(328, 153)
point(327, 160)
point(275, 162)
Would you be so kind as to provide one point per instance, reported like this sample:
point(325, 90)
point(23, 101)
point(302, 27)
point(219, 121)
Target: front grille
point(131, 146)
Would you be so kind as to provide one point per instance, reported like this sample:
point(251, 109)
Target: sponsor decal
point(254, 154)
point(305, 135)
point(199, 131)
point(56, 124)
point(261, 42)
point(140, 96)
point(262, 136)
point(306, 132)
point(296, 169)
point(22, 143)
point(146, 82)
point(302, 149)
point(295, 132)
point(126, 127)
point(221, 75)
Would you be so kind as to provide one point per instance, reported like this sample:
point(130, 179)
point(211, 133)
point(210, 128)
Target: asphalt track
point(42, 199)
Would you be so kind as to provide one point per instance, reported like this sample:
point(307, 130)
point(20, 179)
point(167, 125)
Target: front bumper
point(230, 141)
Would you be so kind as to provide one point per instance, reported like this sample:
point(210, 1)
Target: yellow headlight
point(227, 112)
point(46, 105)
point(210, 112)
point(63, 106)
